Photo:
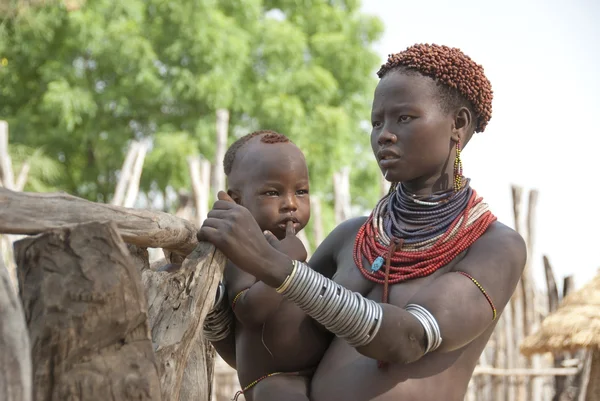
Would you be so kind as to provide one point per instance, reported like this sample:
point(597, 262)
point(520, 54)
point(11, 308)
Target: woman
point(417, 287)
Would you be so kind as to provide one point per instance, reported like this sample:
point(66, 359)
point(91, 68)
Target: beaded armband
point(346, 314)
point(237, 297)
point(485, 294)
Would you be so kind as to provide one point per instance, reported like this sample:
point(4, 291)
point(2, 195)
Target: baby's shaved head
point(266, 136)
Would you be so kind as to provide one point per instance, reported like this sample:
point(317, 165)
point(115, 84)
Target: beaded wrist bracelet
point(346, 314)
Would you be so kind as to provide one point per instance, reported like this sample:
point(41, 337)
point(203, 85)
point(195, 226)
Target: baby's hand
point(290, 245)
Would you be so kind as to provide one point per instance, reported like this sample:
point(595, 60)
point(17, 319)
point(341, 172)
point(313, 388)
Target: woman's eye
point(376, 124)
point(271, 193)
point(404, 119)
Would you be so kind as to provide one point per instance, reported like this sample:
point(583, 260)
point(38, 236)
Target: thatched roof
point(574, 325)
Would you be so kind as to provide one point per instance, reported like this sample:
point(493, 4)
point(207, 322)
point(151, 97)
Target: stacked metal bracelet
point(217, 324)
point(430, 325)
point(346, 314)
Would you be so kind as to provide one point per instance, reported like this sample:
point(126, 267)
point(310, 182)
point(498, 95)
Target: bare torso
point(344, 374)
point(289, 341)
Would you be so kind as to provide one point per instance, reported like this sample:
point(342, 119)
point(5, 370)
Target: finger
point(271, 238)
point(219, 214)
point(207, 234)
point(213, 223)
point(289, 229)
point(223, 205)
point(222, 195)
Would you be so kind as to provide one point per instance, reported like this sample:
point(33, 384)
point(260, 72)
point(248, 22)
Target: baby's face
point(276, 188)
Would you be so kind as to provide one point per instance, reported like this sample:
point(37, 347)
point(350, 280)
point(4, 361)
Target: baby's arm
point(252, 301)
point(254, 304)
point(226, 348)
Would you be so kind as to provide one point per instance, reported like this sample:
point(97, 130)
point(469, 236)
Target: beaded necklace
point(414, 236)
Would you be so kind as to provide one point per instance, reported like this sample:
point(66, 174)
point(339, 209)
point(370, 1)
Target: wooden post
point(87, 316)
point(200, 178)
point(316, 220)
point(7, 177)
point(500, 360)
point(551, 285)
point(532, 319)
point(341, 191)
point(15, 355)
point(178, 304)
point(125, 174)
point(517, 301)
point(220, 149)
point(568, 285)
point(133, 186)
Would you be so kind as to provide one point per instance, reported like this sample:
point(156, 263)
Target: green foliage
point(83, 83)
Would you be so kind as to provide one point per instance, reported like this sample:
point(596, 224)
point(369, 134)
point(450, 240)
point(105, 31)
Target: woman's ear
point(463, 119)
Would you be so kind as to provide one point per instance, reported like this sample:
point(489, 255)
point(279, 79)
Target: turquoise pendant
point(377, 263)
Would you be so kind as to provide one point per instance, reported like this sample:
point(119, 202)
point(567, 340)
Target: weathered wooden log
point(32, 213)
point(15, 355)
point(178, 303)
point(87, 316)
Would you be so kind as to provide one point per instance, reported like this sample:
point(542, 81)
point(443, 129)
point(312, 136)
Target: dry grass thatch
point(574, 325)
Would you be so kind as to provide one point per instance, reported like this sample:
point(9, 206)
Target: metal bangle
point(433, 335)
point(346, 314)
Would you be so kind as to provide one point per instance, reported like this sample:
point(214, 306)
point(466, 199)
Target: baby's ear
point(235, 195)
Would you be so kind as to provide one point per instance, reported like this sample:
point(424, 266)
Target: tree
point(81, 82)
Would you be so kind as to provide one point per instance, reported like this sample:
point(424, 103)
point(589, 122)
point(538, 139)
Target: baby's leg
point(282, 387)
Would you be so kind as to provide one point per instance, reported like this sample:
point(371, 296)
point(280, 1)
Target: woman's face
point(412, 134)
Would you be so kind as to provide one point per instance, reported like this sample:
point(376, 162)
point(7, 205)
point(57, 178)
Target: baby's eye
point(404, 119)
point(376, 124)
point(272, 193)
point(302, 192)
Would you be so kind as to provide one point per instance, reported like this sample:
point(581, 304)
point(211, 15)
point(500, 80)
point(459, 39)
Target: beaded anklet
point(485, 294)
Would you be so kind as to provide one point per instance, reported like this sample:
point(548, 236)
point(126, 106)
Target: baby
point(277, 347)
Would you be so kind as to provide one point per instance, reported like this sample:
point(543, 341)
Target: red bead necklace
point(406, 264)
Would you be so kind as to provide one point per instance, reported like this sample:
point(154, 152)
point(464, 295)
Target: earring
point(458, 169)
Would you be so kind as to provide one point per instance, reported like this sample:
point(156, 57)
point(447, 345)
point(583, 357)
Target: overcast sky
point(543, 60)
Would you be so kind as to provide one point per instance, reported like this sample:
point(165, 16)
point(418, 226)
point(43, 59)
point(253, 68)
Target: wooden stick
point(87, 316)
point(15, 354)
point(125, 174)
point(29, 213)
point(341, 190)
point(200, 177)
point(482, 370)
point(6, 173)
point(22, 178)
point(220, 149)
point(316, 220)
point(551, 285)
point(133, 186)
point(568, 285)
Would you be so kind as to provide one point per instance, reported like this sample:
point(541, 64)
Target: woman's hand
point(232, 229)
